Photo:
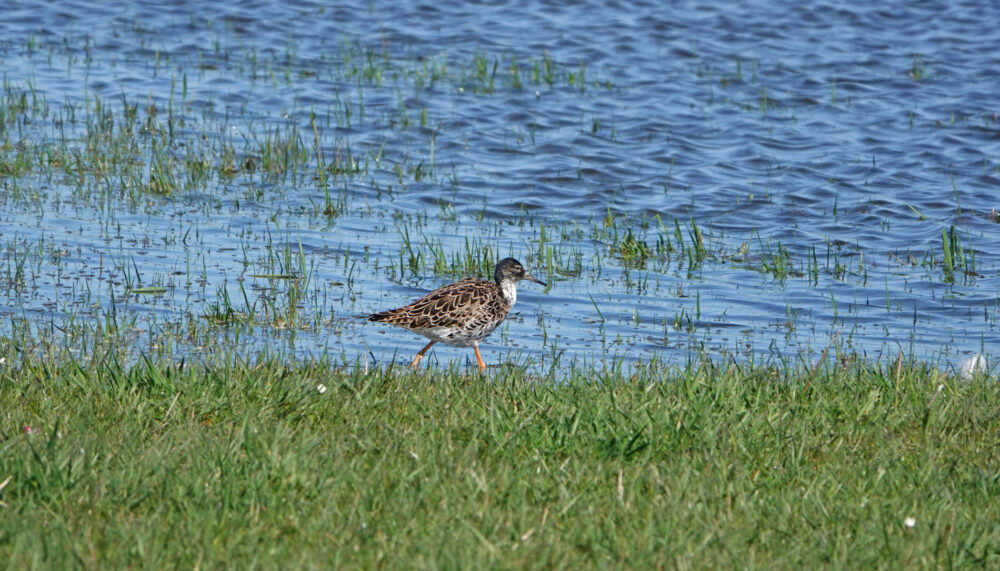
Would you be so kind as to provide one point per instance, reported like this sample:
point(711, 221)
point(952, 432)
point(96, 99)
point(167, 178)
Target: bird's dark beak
point(534, 279)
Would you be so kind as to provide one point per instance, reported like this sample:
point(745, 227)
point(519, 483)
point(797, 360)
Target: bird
point(463, 313)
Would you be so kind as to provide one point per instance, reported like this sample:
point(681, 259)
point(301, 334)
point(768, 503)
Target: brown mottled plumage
point(463, 313)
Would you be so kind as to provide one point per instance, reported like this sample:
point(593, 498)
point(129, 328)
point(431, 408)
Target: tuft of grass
point(955, 256)
point(265, 463)
point(918, 70)
point(633, 251)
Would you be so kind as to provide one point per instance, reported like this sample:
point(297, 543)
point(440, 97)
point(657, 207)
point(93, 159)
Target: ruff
point(463, 313)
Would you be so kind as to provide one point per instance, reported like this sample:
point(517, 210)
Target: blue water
point(840, 139)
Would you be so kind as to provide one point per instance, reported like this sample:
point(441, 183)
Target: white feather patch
point(509, 292)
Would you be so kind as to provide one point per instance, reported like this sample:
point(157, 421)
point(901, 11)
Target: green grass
point(167, 465)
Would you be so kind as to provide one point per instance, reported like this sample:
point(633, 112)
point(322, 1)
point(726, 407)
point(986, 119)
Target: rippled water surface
point(749, 181)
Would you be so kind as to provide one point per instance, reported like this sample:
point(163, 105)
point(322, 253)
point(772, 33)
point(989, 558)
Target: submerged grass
point(303, 465)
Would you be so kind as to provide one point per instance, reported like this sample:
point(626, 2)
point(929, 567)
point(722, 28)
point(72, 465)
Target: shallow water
point(826, 154)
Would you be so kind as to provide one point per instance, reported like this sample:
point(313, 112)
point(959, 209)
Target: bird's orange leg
point(420, 355)
point(479, 359)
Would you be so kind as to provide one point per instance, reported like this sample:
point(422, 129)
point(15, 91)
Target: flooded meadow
point(742, 183)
